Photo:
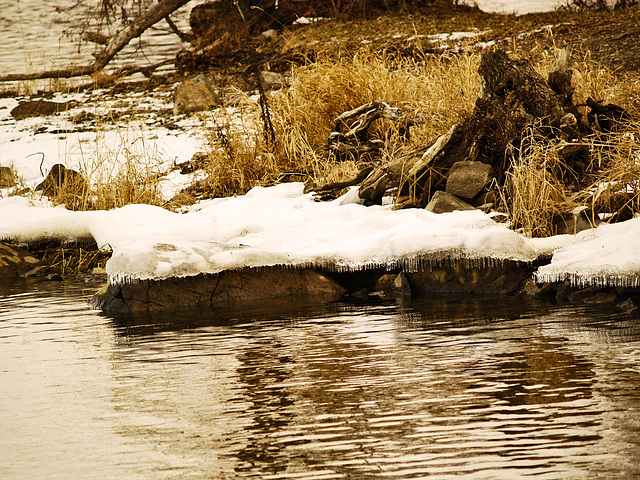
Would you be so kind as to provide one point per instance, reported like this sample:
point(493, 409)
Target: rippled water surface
point(442, 388)
point(45, 35)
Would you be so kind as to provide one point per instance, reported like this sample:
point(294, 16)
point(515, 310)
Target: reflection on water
point(445, 388)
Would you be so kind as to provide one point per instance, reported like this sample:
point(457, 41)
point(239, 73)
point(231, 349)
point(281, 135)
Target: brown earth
point(610, 38)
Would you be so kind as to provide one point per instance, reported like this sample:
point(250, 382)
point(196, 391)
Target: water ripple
point(445, 388)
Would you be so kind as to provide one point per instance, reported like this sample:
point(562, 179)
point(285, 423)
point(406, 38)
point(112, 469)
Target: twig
point(114, 45)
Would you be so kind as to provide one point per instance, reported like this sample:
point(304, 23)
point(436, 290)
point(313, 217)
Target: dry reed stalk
point(614, 187)
point(72, 260)
point(123, 172)
point(239, 157)
point(533, 194)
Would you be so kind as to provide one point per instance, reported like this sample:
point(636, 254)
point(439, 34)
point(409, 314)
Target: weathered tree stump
point(514, 99)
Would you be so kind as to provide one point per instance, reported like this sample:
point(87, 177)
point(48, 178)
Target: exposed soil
point(610, 38)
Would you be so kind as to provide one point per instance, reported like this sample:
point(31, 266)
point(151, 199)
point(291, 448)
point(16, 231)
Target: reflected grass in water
point(447, 387)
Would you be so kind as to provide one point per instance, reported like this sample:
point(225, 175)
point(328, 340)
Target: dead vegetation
point(284, 136)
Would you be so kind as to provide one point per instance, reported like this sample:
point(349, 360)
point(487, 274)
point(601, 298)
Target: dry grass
point(536, 189)
point(239, 156)
point(614, 187)
point(120, 170)
point(72, 260)
point(533, 192)
point(441, 90)
point(125, 173)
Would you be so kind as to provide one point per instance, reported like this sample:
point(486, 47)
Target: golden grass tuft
point(442, 90)
point(533, 193)
point(119, 172)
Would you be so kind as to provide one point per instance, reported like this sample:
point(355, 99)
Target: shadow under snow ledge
point(278, 242)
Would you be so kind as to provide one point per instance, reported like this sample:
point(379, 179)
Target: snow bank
point(607, 256)
point(268, 226)
point(283, 226)
point(33, 145)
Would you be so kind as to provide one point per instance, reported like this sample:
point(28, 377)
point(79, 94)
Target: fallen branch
point(348, 183)
point(114, 45)
point(355, 141)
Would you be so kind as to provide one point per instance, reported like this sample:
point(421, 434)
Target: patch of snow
point(101, 152)
point(519, 7)
point(608, 255)
point(268, 226)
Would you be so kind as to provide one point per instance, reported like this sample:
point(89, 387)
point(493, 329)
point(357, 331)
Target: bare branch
point(114, 45)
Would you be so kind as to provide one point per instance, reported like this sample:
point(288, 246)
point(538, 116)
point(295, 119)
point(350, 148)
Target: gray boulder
point(392, 285)
point(38, 108)
point(272, 80)
point(467, 179)
point(195, 95)
point(443, 202)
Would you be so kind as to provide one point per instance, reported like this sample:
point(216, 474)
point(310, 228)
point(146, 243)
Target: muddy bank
point(236, 289)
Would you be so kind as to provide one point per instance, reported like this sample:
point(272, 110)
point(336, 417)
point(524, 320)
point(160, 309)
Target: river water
point(442, 388)
point(41, 35)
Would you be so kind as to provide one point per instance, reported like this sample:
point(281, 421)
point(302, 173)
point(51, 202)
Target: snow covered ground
point(283, 226)
point(81, 139)
point(268, 226)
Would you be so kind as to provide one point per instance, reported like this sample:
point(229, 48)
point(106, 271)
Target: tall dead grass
point(441, 90)
point(536, 190)
point(533, 193)
point(121, 169)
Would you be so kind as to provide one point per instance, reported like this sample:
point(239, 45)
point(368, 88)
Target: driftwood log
point(112, 46)
point(355, 140)
point(513, 98)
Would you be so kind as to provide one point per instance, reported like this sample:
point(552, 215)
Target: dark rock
point(592, 295)
point(468, 179)
point(464, 276)
point(385, 283)
point(64, 182)
point(393, 285)
point(37, 108)
point(223, 290)
point(401, 286)
point(198, 161)
point(443, 202)
point(272, 80)
point(571, 223)
point(7, 178)
point(533, 289)
point(195, 95)
point(15, 261)
point(41, 271)
point(563, 290)
point(629, 306)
